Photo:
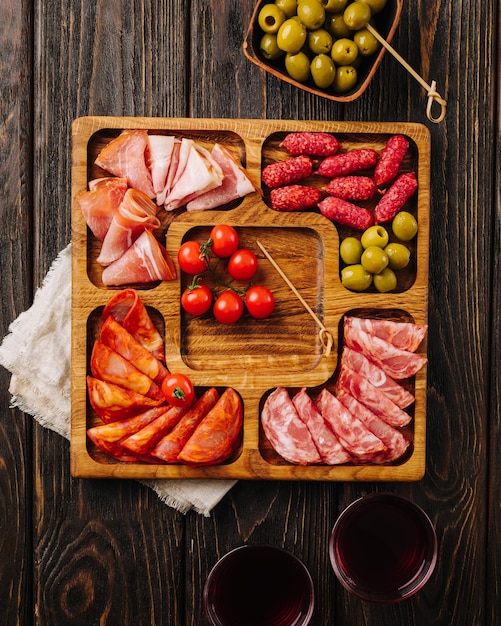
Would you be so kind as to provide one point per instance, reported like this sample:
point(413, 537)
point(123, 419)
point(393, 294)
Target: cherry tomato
point(242, 264)
point(178, 390)
point(260, 301)
point(224, 240)
point(228, 307)
point(190, 258)
point(196, 300)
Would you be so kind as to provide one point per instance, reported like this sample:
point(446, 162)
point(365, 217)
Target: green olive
point(298, 66)
point(350, 250)
point(366, 42)
point(385, 280)
point(344, 51)
point(398, 255)
point(404, 226)
point(291, 35)
point(269, 48)
point(270, 18)
point(334, 6)
point(374, 259)
point(323, 71)
point(375, 236)
point(346, 78)
point(319, 41)
point(289, 7)
point(356, 277)
point(336, 26)
point(356, 15)
point(311, 13)
point(375, 5)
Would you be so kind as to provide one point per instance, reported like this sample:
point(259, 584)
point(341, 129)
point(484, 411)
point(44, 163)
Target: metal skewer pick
point(325, 336)
point(433, 95)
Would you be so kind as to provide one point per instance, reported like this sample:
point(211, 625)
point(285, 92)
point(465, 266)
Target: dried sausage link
point(295, 198)
point(391, 158)
point(348, 162)
point(352, 187)
point(286, 172)
point(312, 144)
point(395, 198)
point(346, 213)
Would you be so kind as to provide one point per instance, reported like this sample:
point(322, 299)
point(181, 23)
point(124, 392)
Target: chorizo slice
point(144, 440)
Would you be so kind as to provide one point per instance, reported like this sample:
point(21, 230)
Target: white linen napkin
point(37, 353)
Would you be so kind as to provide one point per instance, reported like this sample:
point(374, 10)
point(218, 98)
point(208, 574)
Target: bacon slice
point(128, 309)
point(143, 441)
point(111, 402)
point(100, 203)
point(358, 362)
point(328, 445)
point(371, 397)
point(358, 440)
point(144, 262)
point(125, 156)
point(286, 431)
point(403, 335)
point(120, 340)
point(159, 158)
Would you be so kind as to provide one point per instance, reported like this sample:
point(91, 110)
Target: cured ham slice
point(396, 443)
point(352, 433)
point(144, 440)
point(159, 158)
point(100, 203)
point(236, 182)
point(286, 431)
point(145, 261)
point(396, 362)
point(109, 366)
point(328, 445)
point(135, 214)
point(125, 157)
point(173, 167)
point(114, 336)
point(374, 399)
point(403, 335)
point(128, 309)
point(358, 362)
point(111, 402)
point(170, 446)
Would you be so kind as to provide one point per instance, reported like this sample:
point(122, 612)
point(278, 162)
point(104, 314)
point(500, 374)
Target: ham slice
point(135, 214)
point(100, 203)
point(125, 156)
point(236, 182)
point(159, 157)
point(403, 335)
point(173, 167)
point(328, 445)
point(285, 430)
point(145, 261)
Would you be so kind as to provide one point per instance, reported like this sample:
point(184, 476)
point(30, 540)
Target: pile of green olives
point(373, 259)
point(323, 41)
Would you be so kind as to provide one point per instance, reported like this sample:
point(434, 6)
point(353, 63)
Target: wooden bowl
point(386, 23)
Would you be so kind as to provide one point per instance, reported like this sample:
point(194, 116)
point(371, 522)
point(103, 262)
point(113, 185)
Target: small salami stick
point(348, 162)
point(312, 144)
point(286, 172)
point(295, 198)
point(395, 198)
point(346, 213)
point(390, 160)
point(352, 187)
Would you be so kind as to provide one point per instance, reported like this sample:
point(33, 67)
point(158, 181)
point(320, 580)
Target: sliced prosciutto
point(371, 397)
point(358, 362)
point(135, 214)
point(100, 203)
point(145, 261)
point(236, 182)
point(112, 402)
point(396, 443)
point(286, 431)
point(354, 436)
point(108, 365)
point(177, 161)
point(125, 157)
point(328, 445)
point(396, 362)
point(403, 335)
point(159, 158)
point(128, 309)
point(120, 340)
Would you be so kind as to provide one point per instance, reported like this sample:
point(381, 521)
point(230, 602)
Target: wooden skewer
point(433, 95)
point(325, 336)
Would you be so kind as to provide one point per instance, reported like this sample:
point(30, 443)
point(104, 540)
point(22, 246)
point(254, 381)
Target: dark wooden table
point(109, 552)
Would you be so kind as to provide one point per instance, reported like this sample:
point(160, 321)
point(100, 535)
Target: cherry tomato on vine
point(260, 301)
point(178, 390)
point(190, 258)
point(196, 300)
point(224, 240)
point(228, 307)
point(242, 264)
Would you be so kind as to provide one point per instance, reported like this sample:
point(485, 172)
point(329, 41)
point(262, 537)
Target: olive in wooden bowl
point(321, 46)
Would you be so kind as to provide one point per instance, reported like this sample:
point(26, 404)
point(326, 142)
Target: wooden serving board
point(252, 356)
